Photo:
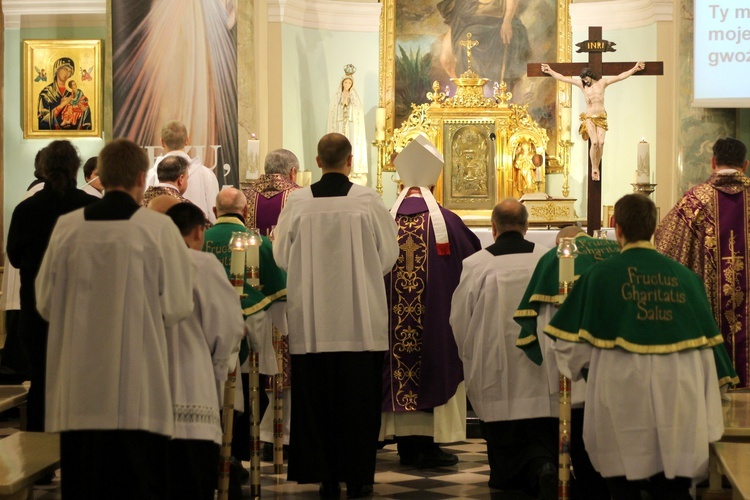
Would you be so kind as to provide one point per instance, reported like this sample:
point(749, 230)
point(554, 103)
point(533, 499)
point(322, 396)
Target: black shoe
point(237, 470)
point(548, 482)
point(410, 459)
point(435, 458)
point(329, 489)
point(355, 491)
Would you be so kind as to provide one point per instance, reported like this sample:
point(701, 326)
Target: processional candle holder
point(238, 249)
point(567, 251)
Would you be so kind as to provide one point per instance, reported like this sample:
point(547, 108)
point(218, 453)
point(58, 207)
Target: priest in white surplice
point(515, 399)
point(336, 240)
point(200, 350)
point(114, 277)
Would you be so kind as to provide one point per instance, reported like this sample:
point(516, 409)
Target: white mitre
point(419, 165)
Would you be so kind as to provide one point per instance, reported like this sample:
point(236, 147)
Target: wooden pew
point(733, 461)
point(12, 396)
point(736, 414)
point(26, 457)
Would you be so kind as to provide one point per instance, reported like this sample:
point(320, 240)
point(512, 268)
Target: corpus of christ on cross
point(595, 46)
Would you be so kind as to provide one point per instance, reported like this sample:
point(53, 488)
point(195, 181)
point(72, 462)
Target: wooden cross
point(595, 46)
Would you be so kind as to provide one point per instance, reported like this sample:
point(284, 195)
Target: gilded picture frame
point(414, 35)
point(62, 82)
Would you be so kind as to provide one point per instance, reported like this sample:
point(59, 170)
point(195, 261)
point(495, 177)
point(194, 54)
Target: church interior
point(290, 58)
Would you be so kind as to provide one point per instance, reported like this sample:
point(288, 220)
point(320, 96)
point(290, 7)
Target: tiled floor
point(466, 480)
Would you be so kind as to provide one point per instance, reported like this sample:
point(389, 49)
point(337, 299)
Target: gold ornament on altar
point(484, 140)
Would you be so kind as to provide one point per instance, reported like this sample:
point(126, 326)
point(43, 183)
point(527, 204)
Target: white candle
point(237, 267)
point(644, 163)
point(539, 174)
point(380, 124)
point(567, 269)
point(252, 275)
point(253, 159)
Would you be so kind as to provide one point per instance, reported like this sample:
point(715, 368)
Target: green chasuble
point(272, 278)
point(544, 287)
point(642, 302)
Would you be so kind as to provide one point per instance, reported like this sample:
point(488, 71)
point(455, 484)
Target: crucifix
point(592, 83)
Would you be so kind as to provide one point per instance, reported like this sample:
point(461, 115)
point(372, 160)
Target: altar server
point(640, 327)
point(201, 350)
point(336, 240)
point(114, 278)
point(203, 186)
point(516, 400)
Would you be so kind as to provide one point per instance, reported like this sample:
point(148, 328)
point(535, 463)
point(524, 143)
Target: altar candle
point(644, 163)
point(539, 174)
point(380, 124)
point(253, 259)
point(253, 159)
point(237, 263)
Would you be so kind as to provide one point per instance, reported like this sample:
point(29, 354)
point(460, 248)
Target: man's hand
point(545, 68)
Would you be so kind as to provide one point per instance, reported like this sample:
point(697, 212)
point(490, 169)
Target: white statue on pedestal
point(346, 116)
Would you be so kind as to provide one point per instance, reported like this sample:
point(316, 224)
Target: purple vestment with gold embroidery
point(708, 231)
point(265, 199)
point(422, 368)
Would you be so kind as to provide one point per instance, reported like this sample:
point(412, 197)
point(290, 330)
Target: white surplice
point(322, 317)
point(638, 407)
point(108, 289)
point(501, 382)
point(200, 348)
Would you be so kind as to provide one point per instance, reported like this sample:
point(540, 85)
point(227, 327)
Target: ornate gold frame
point(40, 54)
point(558, 154)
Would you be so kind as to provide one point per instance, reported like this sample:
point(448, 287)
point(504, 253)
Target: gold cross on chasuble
point(409, 247)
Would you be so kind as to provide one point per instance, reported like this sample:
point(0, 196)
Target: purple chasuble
point(422, 369)
point(732, 223)
point(265, 199)
point(708, 232)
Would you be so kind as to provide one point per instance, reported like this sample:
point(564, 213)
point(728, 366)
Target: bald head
point(230, 201)
point(568, 232)
point(510, 215)
point(162, 203)
point(334, 153)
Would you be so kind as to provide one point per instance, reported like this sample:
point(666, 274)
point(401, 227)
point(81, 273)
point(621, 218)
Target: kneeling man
point(515, 398)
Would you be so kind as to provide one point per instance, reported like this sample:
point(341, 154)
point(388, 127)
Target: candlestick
point(644, 163)
point(237, 262)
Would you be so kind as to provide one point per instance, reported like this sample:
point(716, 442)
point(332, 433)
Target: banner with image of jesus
point(177, 60)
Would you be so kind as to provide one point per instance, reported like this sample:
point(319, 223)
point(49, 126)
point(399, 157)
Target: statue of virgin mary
point(346, 116)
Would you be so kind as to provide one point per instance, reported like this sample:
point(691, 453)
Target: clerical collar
point(510, 235)
point(230, 216)
point(727, 171)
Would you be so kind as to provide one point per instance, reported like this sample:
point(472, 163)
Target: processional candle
point(252, 269)
point(237, 262)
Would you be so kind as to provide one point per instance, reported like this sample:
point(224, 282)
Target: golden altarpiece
point(492, 149)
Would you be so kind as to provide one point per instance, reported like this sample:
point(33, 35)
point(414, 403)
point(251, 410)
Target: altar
point(493, 149)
